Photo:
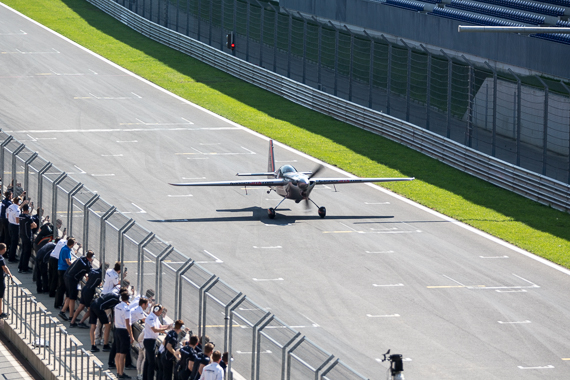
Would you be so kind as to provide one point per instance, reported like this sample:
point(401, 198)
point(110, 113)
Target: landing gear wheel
point(271, 213)
point(322, 212)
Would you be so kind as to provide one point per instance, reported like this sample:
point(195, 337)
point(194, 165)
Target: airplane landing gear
point(271, 213)
point(322, 212)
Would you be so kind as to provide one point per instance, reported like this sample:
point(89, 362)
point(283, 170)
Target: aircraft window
point(288, 169)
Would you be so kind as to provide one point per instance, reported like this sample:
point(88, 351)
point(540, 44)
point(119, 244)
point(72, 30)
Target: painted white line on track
point(383, 316)
point(389, 285)
point(378, 251)
point(314, 324)
point(14, 34)
point(543, 367)
point(94, 72)
point(272, 247)
point(179, 195)
point(111, 155)
point(511, 291)
point(494, 257)
point(81, 171)
point(214, 257)
point(138, 96)
point(141, 211)
point(376, 203)
point(125, 141)
point(267, 279)
point(514, 323)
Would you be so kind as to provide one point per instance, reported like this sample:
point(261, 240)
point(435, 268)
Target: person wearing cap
point(152, 328)
point(72, 276)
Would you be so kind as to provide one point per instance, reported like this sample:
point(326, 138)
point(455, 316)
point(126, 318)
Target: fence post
point(121, 242)
point(261, 28)
point(304, 47)
point(158, 279)
point(284, 354)
point(54, 198)
point(350, 63)
point(388, 75)
point(289, 356)
point(494, 137)
point(275, 30)
point(188, 16)
point(102, 234)
point(545, 127)
point(518, 116)
point(27, 170)
point(140, 268)
point(14, 154)
point(470, 106)
point(567, 89)
point(449, 88)
point(326, 371)
point(70, 195)
point(254, 341)
point(289, 32)
point(319, 48)
point(370, 70)
point(230, 328)
point(336, 37)
point(86, 206)
point(178, 288)
point(428, 87)
point(257, 341)
point(325, 363)
point(247, 21)
point(202, 306)
point(2, 146)
point(176, 22)
point(222, 25)
point(408, 78)
point(211, 21)
point(199, 19)
point(226, 318)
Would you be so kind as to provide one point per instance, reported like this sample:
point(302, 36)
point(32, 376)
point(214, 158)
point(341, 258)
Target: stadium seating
point(408, 4)
point(490, 10)
point(472, 17)
point(530, 6)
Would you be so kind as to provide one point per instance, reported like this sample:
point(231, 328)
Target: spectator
point(26, 226)
point(188, 355)
point(44, 236)
point(152, 328)
point(224, 361)
point(87, 294)
point(123, 334)
point(13, 213)
point(202, 360)
point(52, 266)
point(63, 263)
point(98, 310)
point(72, 276)
point(137, 307)
point(41, 268)
point(6, 271)
point(4, 225)
point(213, 371)
point(171, 355)
point(112, 280)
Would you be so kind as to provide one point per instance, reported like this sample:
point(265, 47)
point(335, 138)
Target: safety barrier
point(61, 353)
point(209, 306)
point(527, 183)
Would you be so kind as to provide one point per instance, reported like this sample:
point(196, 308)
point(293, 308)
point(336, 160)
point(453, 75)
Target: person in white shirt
point(53, 262)
point(12, 214)
point(123, 334)
point(152, 328)
point(112, 279)
point(213, 371)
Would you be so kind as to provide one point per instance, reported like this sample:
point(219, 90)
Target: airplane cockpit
point(285, 169)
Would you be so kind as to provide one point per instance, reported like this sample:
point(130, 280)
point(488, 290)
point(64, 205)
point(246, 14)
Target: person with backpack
point(41, 268)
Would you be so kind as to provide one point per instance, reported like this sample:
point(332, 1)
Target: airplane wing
point(322, 181)
point(261, 182)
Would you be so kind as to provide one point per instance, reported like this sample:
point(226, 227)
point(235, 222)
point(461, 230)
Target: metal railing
point(61, 352)
point(259, 342)
point(489, 116)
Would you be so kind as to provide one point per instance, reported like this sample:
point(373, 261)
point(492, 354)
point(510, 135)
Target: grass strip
point(520, 221)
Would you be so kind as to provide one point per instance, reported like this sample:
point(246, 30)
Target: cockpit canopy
point(285, 169)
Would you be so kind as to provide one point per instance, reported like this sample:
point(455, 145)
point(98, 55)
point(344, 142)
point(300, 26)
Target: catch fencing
point(259, 342)
point(522, 120)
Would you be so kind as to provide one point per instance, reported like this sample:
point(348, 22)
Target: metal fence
point(260, 343)
point(524, 121)
point(61, 352)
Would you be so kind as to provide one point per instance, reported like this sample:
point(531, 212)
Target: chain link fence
point(522, 120)
point(260, 344)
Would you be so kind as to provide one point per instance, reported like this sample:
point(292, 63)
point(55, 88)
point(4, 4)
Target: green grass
point(527, 224)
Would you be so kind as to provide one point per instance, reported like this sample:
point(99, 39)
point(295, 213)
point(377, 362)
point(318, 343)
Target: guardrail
point(60, 352)
point(521, 181)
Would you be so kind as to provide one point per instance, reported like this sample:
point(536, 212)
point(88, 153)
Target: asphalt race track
point(378, 272)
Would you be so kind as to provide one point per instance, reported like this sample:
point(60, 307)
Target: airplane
point(289, 183)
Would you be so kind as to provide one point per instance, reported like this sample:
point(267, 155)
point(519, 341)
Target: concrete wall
point(534, 54)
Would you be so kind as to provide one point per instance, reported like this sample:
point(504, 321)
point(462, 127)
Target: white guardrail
point(521, 181)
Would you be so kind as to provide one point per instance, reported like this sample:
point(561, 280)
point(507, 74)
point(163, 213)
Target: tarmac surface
point(378, 272)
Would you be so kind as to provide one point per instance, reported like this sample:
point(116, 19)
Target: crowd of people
point(105, 299)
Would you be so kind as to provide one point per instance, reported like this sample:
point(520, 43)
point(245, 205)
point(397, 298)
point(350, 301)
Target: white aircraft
point(289, 183)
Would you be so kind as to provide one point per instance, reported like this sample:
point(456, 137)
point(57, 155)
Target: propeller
point(313, 173)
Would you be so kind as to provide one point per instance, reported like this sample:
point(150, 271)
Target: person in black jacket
point(87, 294)
point(41, 268)
point(97, 312)
point(26, 227)
point(6, 202)
point(72, 276)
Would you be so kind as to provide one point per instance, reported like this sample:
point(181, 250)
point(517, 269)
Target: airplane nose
point(303, 183)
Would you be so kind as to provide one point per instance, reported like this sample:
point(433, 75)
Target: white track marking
point(214, 257)
point(102, 175)
point(383, 316)
point(314, 324)
point(543, 367)
point(494, 257)
point(111, 155)
point(376, 203)
point(378, 251)
point(389, 285)
point(127, 141)
point(513, 323)
point(180, 195)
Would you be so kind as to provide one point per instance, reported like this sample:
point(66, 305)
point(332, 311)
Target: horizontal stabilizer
point(256, 174)
point(261, 182)
point(322, 181)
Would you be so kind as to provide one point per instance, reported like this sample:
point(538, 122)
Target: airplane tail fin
point(271, 160)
